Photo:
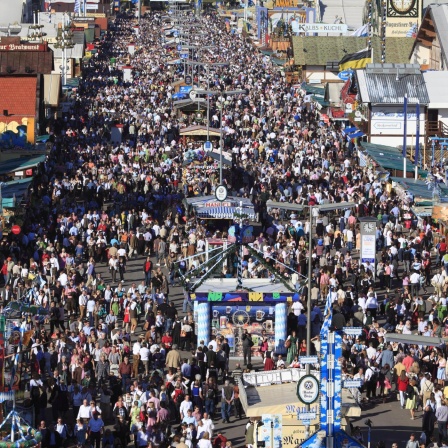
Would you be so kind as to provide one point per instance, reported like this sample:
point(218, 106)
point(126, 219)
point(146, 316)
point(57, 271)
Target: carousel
point(16, 432)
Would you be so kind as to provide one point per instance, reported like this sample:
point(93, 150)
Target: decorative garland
point(260, 259)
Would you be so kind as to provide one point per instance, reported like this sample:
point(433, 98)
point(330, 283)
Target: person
point(52, 438)
point(402, 384)
point(412, 442)
point(227, 397)
point(411, 401)
point(268, 362)
point(293, 346)
point(428, 421)
point(80, 431)
point(247, 347)
point(204, 441)
point(96, 427)
point(442, 418)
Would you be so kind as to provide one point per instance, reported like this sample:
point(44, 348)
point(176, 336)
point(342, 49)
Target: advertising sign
point(231, 321)
point(308, 389)
point(368, 240)
point(322, 28)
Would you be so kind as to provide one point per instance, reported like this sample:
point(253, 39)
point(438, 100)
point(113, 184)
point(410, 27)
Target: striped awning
point(225, 212)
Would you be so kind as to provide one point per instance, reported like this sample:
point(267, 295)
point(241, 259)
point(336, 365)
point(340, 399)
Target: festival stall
point(261, 309)
point(208, 207)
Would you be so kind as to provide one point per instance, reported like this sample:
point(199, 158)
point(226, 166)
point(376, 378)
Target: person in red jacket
point(402, 384)
point(220, 441)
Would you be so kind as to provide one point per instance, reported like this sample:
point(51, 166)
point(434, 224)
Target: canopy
point(413, 339)
point(20, 164)
point(224, 212)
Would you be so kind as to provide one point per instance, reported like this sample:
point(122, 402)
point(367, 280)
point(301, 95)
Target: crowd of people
point(111, 354)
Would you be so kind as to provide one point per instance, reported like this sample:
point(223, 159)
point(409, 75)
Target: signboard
point(185, 89)
point(322, 28)
point(184, 56)
point(352, 384)
point(208, 147)
point(368, 248)
point(294, 435)
point(352, 331)
point(221, 190)
point(23, 47)
point(188, 80)
point(368, 240)
point(179, 48)
point(308, 389)
point(308, 359)
point(306, 416)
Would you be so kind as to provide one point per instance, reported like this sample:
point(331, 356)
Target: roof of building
point(13, 191)
point(387, 157)
point(389, 83)
point(319, 50)
point(20, 164)
point(438, 98)
point(435, 20)
point(419, 188)
point(439, 14)
point(18, 95)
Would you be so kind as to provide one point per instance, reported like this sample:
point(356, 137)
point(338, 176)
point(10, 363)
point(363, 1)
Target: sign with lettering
point(308, 389)
point(286, 3)
point(352, 331)
point(306, 416)
point(218, 204)
point(23, 47)
point(322, 28)
point(308, 360)
point(352, 384)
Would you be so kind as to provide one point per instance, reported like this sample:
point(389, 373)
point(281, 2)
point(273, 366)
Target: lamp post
point(64, 41)
point(223, 93)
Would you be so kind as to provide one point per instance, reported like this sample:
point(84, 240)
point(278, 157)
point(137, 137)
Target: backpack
point(180, 398)
point(410, 392)
point(211, 393)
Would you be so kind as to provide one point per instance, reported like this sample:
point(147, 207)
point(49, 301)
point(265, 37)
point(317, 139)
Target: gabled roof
point(388, 84)
point(319, 50)
point(434, 20)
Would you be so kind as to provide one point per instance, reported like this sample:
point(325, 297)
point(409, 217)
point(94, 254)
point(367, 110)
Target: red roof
point(18, 95)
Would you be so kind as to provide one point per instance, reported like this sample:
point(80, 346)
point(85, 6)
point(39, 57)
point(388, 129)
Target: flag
point(328, 316)
point(77, 8)
point(355, 60)
point(362, 31)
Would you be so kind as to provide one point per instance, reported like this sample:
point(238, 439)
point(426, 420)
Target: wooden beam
point(424, 42)
point(430, 33)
